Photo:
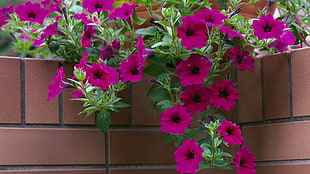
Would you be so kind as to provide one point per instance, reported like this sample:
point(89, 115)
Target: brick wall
point(42, 137)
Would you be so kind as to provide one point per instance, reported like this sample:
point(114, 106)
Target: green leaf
point(154, 70)
point(91, 108)
point(151, 31)
point(103, 121)
point(165, 104)
point(158, 94)
point(120, 104)
point(137, 19)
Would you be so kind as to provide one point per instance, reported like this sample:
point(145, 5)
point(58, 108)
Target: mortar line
point(22, 92)
point(290, 84)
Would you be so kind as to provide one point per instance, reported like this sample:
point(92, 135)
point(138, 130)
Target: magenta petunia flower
point(194, 70)
point(284, 41)
point(31, 12)
point(229, 33)
point(224, 95)
point(87, 37)
point(242, 58)
point(175, 120)
point(231, 133)
point(83, 61)
point(56, 87)
point(193, 33)
point(131, 70)
point(196, 98)
point(123, 12)
point(77, 94)
point(188, 157)
point(141, 51)
point(38, 43)
point(100, 75)
point(93, 6)
point(52, 29)
point(110, 50)
point(5, 14)
point(245, 161)
point(211, 17)
point(266, 27)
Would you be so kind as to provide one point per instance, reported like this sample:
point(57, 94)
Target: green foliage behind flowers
point(186, 46)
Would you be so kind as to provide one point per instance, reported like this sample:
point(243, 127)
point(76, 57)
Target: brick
point(56, 171)
point(250, 103)
point(10, 88)
point(275, 90)
point(300, 81)
point(141, 104)
point(143, 171)
point(283, 169)
point(53, 146)
point(38, 75)
point(122, 117)
point(283, 141)
point(72, 108)
point(139, 146)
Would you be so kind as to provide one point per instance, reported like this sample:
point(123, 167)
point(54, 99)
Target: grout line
point(262, 88)
point(61, 106)
point(281, 162)
point(130, 89)
point(276, 121)
point(290, 84)
point(107, 152)
point(142, 166)
point(50, 167)
point(22, 92)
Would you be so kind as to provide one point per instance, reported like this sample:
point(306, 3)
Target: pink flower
point(58, 84)
point(266, 27)
point(93, 6)
point(131, 70)
point(31, 12)
point(52, 29)
point(211, 17)
point(284, 41)
point(224, 95)
point(193, 32)
point(196, 98)
point(175, 120)
point(230, 132)
point(230, 33)
point(83, 61)
point(245, 161)
point(123, 12)
point(194, 70)
point(188, 157)
point(110, 50)
point(5, 14)
point(87, 37)
point(77, 94)
point(242, 58)
point(100, 75)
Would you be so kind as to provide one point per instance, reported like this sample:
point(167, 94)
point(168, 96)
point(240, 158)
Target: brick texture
point(47, 137)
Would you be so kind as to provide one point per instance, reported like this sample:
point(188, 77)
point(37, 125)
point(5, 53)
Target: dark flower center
point(97, 76)
point(195, 70)
point(229, 132)
point(126, 13)
point(209, 20)
point(239, 59)
point(241, 162)
point(31, 15)
point(135, 72)
point(196, 99)
point(98, 6)
point(176, 119)
point(223, 94)
point(190, 155)
point(189, 32)
point(267, 28)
